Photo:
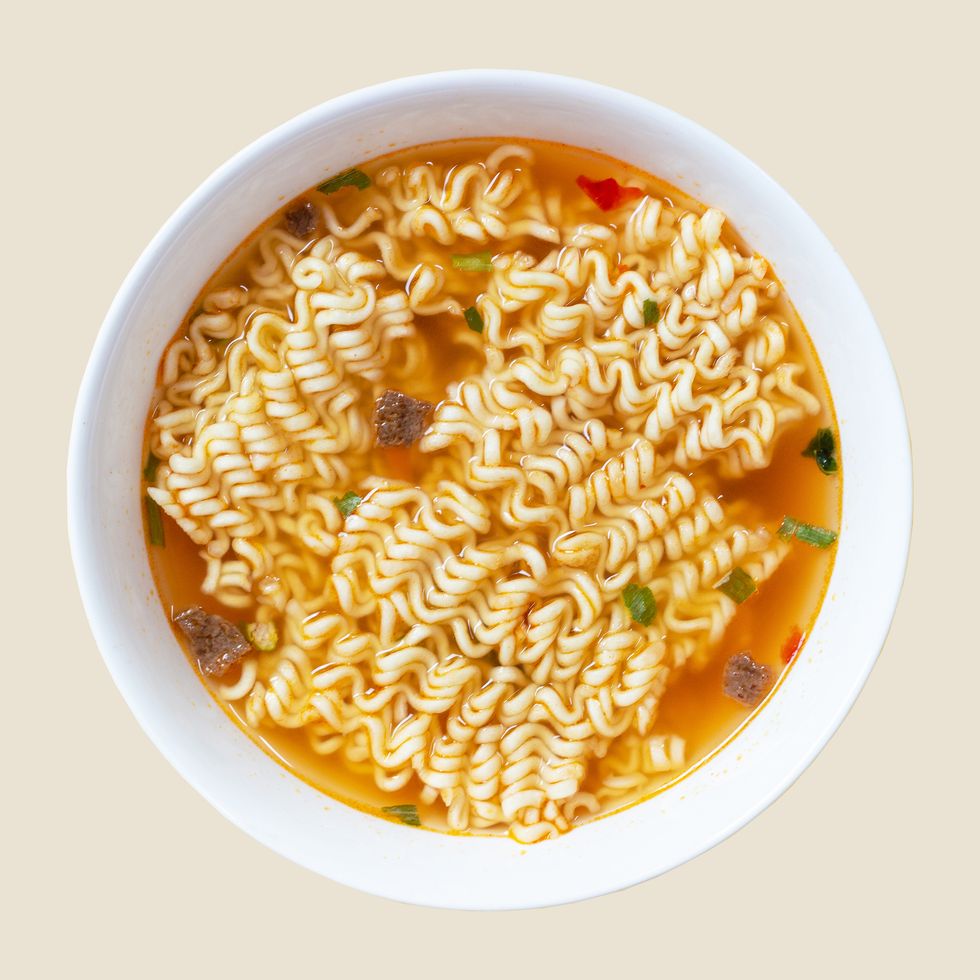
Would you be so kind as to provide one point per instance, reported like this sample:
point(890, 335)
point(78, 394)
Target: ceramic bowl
point(379, 856)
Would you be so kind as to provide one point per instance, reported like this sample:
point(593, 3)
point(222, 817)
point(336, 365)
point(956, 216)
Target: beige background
point(114, 112)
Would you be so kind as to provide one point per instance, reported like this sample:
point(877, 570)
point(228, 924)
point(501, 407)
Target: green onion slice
point(640, 603)
point(154, 521)
point(823, 448)
point(737, 585)
point(150, 470)
point(477, 262)
point(473, 319)
point(347, 504)
point(819, 537)
point(651, 312)
point(262, 636)
point(349, 178)
point(408, 813)
point(787, 530)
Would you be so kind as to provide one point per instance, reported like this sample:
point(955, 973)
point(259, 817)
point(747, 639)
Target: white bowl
point(378, 856)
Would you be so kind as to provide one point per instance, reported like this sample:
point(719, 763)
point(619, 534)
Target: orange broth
point(693, 705)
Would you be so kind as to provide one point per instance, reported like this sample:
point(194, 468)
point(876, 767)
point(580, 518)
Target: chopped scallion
point(154, 521)
point(262, 636)
point(787, 530)
point(819, 537)
point(349, 178)
point(737, 585)
point(150, 470)
point(823, 449)
point(476, 262)
point(473, 319)
point(641, 603)
point(651, 312)
point(408, 813)
point(347, 504)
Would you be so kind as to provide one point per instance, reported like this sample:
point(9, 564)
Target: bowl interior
point(327, 836)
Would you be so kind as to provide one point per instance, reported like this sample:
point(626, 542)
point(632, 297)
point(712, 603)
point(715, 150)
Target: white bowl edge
point(458, 872)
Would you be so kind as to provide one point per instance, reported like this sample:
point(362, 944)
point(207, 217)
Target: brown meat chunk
point(400, 418)
point(746, 681)
point(301, 220)
point(217, 644)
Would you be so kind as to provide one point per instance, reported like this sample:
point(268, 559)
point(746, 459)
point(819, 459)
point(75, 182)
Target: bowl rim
point(84, 547)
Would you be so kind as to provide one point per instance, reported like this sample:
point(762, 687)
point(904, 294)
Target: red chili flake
point(792, 645)
point(608, 193)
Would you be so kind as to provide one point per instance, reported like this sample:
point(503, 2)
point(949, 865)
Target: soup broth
point(525, 616)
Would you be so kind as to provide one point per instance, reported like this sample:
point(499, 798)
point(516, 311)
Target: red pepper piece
point(792, 645)
point(608, 193)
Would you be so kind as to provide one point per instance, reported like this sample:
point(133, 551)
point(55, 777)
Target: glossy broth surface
point(693, 705)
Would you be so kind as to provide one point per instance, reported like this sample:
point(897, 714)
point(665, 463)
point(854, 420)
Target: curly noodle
point(465, 633)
